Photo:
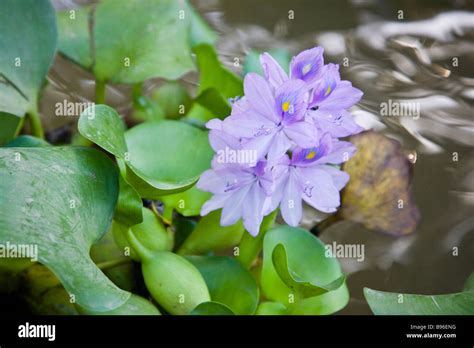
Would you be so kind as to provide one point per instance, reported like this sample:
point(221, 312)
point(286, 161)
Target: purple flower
point(271, 122)
point(279, 146)
point(330, 100)
point(310, 176)
point(241, 191)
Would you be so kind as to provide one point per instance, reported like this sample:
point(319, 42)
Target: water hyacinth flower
point(310, 176)
point(291, 123)
point(271, 122)
point(241, 191)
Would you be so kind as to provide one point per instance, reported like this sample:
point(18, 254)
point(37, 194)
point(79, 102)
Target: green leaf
point(105, 253)
point(150, 233)
point(187, 203)
point(295, 281)
point(160, 157)
point(27, 49)
point(211, 308)
point(271, 308)
point(390, 303)
point(169, 156)
point(103, 126)
point(228, 282)
point(61, 199)
point(215, 102)
point(173, 99)
point(133, 40)
point(213, 75)
point(27, 141)
point(135, 305)
point(10, 126)
point(209, 235)
point(200, 31)
point(74, 36)
point(307, 268)
point(128, 211)
point(469, 285)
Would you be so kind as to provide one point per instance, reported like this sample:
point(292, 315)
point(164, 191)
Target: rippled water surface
point(427, 58)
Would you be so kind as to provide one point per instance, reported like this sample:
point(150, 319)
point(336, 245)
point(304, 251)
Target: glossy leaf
point(307, 266)
point(213, 75)
point(128, 211)
point(187, 203)
point(153, 42)
point(27, 141)
point(173, 99)
point(200, 31)
point(70, 193)
point(27, 49)
point(10, 125)
point(151, 233)
point(135, 305)
point(391, 303)
point(209, 235)
point(378, 193)
point(160, 157)
point(74, 35)
point(296, 282)
point(211, 308)
point(228, 282)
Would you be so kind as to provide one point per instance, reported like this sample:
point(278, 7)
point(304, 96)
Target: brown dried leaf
point(378, 194)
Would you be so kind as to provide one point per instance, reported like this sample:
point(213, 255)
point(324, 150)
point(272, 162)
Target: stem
point(113, 263)
point(142, 251)
point(100, 92)
point(35, 123)
point(137, 91)
point(250, 247)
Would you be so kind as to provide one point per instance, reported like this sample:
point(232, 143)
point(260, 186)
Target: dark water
point(427, 58)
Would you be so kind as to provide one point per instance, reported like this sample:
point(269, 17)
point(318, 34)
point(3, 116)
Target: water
point(426, 58)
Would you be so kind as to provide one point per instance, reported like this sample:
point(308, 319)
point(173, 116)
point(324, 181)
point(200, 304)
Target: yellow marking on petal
point(306, 69)
point(327, 91)
point(285, 106)
point(311, 155)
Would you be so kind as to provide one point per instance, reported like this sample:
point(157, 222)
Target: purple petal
point(214, 203)
point(303, 133)
point(318, 189)
point(232, 210)
point(339, 178)
point(341, 152)
point(307, 65)
point(291, 205)
point(259, 96)
point(344, 96)
point(260, 144)
point(247, 125)
point(327, 85)
point(291, 101)
point(309, 156)
point(253, 209)
point(275, 75)
point(278, 147)
point(338, 123)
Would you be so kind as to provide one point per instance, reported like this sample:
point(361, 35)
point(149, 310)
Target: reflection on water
point(425, 59)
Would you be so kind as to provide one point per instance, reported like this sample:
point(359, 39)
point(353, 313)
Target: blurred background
point(421, 51)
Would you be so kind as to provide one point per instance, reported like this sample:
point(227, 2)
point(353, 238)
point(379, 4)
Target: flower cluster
point(283, 135)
